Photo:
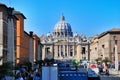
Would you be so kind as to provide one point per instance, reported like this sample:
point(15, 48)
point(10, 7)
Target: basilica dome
point(62, 28)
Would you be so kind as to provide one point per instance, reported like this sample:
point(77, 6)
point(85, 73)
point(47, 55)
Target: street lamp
point(116, 53)
point(88, 50)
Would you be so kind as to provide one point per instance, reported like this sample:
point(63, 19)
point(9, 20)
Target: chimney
point(10, 11)
point(31, 33)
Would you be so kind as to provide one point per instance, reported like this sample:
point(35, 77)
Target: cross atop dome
point(62, 18)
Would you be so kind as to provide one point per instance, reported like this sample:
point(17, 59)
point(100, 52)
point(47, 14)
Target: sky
point(88, 17)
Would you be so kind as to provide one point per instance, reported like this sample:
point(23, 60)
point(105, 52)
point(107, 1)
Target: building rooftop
point(19, 13)
point(114, 30)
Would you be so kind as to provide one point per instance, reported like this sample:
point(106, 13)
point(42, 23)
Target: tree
point(97, 60)
point(6, 69)
point(75, 64)
point(40, 62)
point(27, 64)
point(106, 60)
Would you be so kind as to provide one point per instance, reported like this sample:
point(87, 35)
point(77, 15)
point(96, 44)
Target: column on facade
point(38, 52)
point(34, 50)
point(82, 54)
point(96, 52)
point(50, 54)
point(1, 54)
point(31, 48)
point(56, 51)
point(1, 38)
point(116, 57)
point(59, 50)
point(11, 52)
point(64, 50)
point(73, 50)
point(68, 46)
point(53, 51)
point(44, 52)
point(78, 54)
point(11, 39)
point(103, 52)
point(86, 52)
point(67, 51)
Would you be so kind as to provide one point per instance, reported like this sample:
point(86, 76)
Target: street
point(114, 75)
point(111, 77)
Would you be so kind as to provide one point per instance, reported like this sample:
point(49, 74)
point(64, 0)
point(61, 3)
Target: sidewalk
point(114, 72)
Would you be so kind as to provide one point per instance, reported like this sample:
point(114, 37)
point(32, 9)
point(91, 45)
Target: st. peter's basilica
point(63, 44)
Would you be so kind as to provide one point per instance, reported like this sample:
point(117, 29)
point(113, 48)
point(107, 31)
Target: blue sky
point(89, 17)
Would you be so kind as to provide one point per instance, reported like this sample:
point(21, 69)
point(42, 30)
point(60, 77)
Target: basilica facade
point(63, 44)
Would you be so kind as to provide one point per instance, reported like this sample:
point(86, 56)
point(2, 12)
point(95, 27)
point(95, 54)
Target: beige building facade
point(103, 46)
point(63, 44)
point(94, 48)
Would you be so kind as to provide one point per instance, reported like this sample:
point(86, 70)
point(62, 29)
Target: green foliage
point(27, 64)
point(106, 60)
point(75, 62)
point(40, 62)
point(97, 60)
point(6, 69)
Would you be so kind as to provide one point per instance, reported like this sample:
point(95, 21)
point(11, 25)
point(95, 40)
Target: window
point(83, 50)
point(103, 46)
point(61, 46)
point(58, 55)
point(62, 54)
point(71, 53)
point(58, 49)
point(65, 54)
point(70, 46)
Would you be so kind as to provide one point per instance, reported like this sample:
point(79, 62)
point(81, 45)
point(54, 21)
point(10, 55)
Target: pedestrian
point(37, 77)
point(100, 66)
point(20, 77)
point(106, 70)
point(3, 77)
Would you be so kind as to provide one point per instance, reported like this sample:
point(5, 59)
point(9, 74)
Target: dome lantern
point(62, 18)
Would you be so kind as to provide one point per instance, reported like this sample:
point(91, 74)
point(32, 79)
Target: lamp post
point(116, 53)
point(53, 50)
point(88, 50)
